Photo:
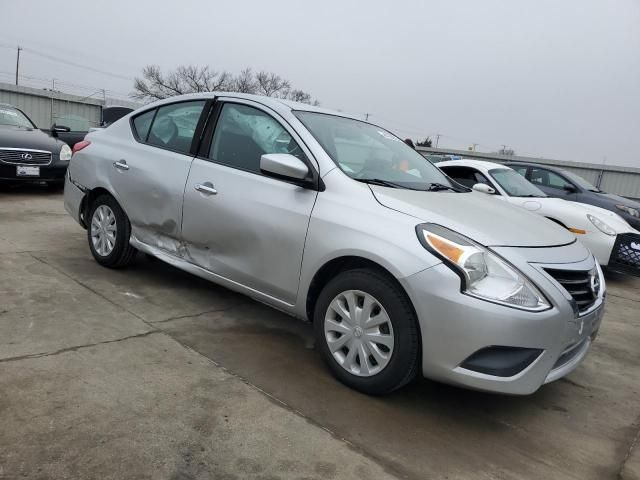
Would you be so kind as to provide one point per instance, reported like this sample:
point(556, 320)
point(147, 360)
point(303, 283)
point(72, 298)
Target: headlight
point(600, 225)
point(630, 210)
point(484, 274)
point(65, 152)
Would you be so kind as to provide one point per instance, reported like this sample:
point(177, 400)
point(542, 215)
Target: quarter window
point(142, 123)
point(174, 126)
point(243, 134)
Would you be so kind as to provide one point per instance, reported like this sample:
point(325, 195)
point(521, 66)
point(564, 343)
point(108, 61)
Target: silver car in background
point(337, 221)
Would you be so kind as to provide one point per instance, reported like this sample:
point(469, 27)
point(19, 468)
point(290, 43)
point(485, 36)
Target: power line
point(67, 62)
point(74, 64)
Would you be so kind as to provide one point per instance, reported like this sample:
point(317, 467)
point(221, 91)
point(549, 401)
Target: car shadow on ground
point(30, 189)
point(275, 352)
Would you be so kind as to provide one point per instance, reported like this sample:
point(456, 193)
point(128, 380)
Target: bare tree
point(299, 96)
point(154, 85)
point(272, 85)
point(245, 82)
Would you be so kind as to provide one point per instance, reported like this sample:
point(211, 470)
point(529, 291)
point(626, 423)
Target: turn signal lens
point(448, 249)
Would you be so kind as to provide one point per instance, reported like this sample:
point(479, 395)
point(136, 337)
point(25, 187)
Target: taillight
point(79, 146)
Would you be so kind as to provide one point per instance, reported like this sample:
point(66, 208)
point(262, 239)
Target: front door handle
point(206, 188)
point(121, 165)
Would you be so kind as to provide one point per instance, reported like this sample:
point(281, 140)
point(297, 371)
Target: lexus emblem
point(26, 156)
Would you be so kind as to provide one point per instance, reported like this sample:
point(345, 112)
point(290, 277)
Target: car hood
point(574, 214)
point(28, 138)
point(477, 216)
point(613, 199)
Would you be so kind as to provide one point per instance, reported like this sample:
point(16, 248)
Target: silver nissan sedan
point(338, 222)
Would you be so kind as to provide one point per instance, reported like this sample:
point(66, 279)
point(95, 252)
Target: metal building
point(46, 107)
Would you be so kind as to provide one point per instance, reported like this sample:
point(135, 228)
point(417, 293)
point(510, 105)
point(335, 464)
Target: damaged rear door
point(149, 175)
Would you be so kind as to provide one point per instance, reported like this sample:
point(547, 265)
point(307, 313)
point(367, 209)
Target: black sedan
point(560, 183)
point(28, 154)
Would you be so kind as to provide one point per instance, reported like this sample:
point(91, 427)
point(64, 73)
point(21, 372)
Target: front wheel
point(108, 233)
point(367, 331)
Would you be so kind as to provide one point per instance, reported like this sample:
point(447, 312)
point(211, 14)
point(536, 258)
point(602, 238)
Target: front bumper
point(53, 172)
point(454, 326)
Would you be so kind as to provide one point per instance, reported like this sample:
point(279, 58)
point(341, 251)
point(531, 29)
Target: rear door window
point(174, 126)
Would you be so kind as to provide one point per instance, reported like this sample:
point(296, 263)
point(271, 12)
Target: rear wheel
point(108, 233)
point(367, 331)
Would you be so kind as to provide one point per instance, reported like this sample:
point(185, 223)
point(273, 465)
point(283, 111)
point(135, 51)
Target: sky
point(557, 79)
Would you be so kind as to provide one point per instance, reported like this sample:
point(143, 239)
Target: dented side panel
point(251, 232)
point(150, 191)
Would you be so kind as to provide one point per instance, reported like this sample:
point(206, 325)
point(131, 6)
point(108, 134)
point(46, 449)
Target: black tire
point(404, 362)
point(122, 253)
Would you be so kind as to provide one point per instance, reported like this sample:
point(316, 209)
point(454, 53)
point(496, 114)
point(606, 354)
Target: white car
point(597, 228)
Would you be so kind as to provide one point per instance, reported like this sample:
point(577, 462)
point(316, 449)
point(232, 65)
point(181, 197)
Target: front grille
point(625, 256)
point(25, 157)
point(579, 284)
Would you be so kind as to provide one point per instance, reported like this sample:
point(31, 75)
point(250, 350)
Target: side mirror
point(483, 188)
point(570, 188)
point(55, 129)
point(284, 166)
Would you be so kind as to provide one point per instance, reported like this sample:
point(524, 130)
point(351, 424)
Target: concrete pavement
point(149, 372)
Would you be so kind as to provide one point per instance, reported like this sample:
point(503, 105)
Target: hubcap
point(103, 230)
point(359, 333)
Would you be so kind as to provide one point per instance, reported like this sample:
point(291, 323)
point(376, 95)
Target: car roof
point(553, 168)
point(278, 104)
point(478, 164)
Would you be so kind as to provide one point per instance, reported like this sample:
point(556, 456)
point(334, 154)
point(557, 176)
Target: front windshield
point(581, 182)
point(369, 153)
point(14, 118)
point(515, 184)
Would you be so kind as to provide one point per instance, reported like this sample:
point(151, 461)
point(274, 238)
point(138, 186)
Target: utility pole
point(18, 64)
point(438, 135)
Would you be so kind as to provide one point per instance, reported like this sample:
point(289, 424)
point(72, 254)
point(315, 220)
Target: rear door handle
point(121, 165)
point(206, 188)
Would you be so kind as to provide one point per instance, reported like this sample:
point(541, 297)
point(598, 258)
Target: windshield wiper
point(437, 187)
point(530, 195)
point(384, 183)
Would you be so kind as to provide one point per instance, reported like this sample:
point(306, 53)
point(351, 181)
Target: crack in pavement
point(92, 290)
point(623, 297)
point(632, 446)
point(76, 348)
point(193, 315)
